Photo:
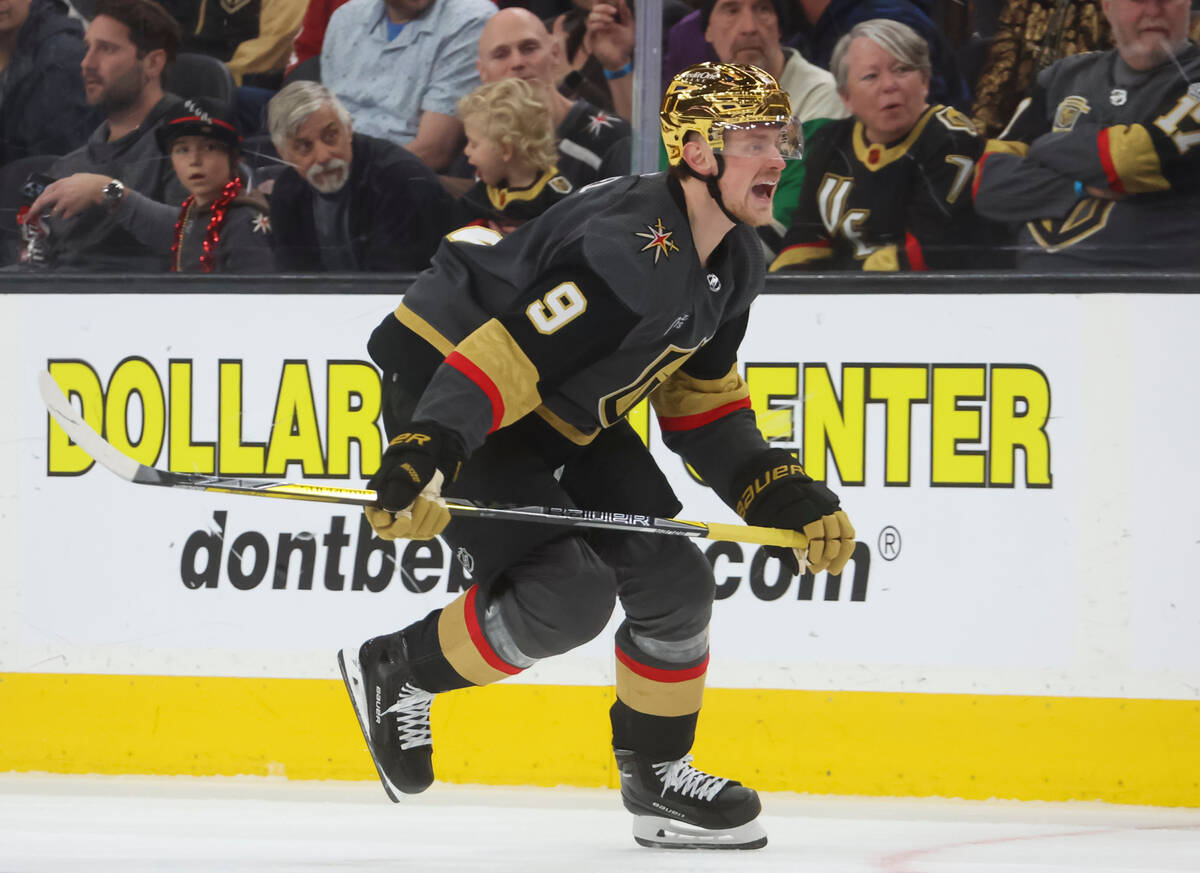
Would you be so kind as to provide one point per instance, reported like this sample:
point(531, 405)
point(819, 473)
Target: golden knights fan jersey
point(904, 206)
point(503, 208)
point(578, 315)
point(1093, 120)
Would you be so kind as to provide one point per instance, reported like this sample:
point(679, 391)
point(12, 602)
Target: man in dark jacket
point(348, 202)
point(43, 110)
point(129, 43)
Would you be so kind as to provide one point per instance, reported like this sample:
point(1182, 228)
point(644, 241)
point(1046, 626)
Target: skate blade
point(664, 833)
point(352, 677)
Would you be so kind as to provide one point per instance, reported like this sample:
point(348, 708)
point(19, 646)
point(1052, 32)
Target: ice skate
point(392, 712)
point(676, 806)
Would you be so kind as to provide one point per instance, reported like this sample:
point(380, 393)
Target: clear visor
point(764, 139)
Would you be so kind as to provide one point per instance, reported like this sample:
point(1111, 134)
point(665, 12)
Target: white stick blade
point(80, 432)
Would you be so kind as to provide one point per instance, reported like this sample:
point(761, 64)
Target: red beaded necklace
point(212, 235)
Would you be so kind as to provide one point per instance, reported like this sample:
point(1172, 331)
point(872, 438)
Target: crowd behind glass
point(302, 136)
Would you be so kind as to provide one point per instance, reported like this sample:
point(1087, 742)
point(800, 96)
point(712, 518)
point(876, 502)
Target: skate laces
point(412, 716)
point(687, 780)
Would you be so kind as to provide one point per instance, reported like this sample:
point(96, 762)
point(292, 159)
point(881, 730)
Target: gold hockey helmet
point(711, 98)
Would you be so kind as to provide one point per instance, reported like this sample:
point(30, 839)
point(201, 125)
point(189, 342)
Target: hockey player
point(1101, 161)
point(508, 370)
point(886, 189)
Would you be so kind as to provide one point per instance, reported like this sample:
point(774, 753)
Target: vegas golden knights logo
point(1089, 216)
point(832, 195)
point(1068, 112)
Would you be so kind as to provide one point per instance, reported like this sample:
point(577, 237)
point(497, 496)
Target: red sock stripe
point(485, 650)
point(483, 381)
point(689, 422)
point(1106, 161)
point(658, 674)
point(916, 257)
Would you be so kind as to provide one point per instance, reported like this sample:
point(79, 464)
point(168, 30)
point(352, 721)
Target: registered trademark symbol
point(889, 543)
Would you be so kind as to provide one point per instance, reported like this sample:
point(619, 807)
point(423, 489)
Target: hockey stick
point(107, 455)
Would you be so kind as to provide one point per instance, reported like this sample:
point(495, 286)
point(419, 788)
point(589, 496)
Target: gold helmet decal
point(709, 97)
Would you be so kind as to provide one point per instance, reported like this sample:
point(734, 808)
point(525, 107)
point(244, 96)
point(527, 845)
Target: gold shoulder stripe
point(801, 255)
point(423, 329)
point(1006, 147)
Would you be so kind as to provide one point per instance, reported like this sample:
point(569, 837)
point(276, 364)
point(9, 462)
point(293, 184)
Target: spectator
point(218, 228)
point(349, 201)
point(1030, 36)
point(254, 39)
point(887, 188)
point(43, 110)
point(1101, 161)
point(748, 32)
point(308, 42)
point(399, 66)
point(128, 44)
point(829, 20)
point(510, 143)
point(571, 31)
point(592, 144)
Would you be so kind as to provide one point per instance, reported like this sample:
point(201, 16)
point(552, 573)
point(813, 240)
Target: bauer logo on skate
point(877, 423)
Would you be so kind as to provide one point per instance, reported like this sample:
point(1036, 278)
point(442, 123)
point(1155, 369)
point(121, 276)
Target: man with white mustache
point(1101, 160)
point(349, 202)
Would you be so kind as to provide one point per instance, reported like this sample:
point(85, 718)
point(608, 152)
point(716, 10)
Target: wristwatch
point(113, 192)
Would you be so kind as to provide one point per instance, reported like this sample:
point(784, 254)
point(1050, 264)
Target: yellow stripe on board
point(953, 745)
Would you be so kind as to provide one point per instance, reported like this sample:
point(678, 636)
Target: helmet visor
point(764, 139)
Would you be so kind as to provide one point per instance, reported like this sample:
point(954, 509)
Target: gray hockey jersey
point(1092, 119)
point(577, 316)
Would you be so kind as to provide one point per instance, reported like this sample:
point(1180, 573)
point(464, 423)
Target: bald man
point(592, 144)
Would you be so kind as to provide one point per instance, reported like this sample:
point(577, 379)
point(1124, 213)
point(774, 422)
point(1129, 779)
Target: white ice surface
point(56, 824)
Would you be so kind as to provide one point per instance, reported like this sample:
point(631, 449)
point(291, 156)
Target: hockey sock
point(430, 670)
point(658, 737)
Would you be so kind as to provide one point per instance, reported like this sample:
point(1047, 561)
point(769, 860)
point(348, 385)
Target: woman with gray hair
point(887, 188)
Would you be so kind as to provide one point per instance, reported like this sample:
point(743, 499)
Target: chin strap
point(714, 190)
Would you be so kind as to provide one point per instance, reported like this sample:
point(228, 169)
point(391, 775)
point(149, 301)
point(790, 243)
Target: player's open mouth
point(763, 190)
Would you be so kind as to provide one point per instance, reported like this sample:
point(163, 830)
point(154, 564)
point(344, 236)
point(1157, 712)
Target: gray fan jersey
point(1094, 120)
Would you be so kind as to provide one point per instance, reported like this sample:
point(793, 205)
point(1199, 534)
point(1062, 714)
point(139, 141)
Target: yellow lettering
point(768, 382)
point(833, 424)
point(235, 457)
point(1019, 411)
point(295, 437)
point(135, 376)
point(354, 403)
point(183, 455)
point(898, 388)
point(639, 419)
point(78, 379)
point(954, 424)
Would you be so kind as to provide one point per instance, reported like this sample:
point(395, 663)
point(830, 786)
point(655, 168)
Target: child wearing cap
point(510, 143)
point(219, 227)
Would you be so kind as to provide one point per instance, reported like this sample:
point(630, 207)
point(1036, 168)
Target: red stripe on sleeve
point(483, 381)
point(657, 674)
point(916, 257)
point(485, 649)
point(979, 174)
point(1106, 161)
point(690, 422)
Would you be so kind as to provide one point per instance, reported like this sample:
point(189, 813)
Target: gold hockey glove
point(409, 482)
point(776, 492)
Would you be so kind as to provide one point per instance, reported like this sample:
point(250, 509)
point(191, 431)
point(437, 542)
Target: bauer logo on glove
point(408, 483)
point(774, 491)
